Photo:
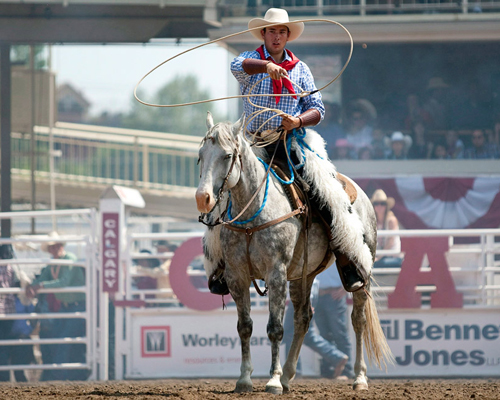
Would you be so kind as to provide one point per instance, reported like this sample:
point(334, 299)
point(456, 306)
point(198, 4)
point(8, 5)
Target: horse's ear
point(210, 120)
point(238, 125)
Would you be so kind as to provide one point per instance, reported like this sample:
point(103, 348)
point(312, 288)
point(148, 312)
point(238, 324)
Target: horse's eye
point(228, 156)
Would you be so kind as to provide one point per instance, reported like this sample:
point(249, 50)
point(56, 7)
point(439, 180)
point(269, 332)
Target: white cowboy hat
point(55, 236)
point(399, 137)
point(276, 16)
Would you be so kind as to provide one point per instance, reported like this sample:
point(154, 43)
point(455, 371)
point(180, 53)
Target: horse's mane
point(222, 133)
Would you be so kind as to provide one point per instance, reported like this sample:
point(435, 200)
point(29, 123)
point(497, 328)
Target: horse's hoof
point(243, 388)
point(360, 386)
point(274, 390)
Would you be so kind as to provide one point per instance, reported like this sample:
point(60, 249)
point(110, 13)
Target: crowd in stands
point(436, 128)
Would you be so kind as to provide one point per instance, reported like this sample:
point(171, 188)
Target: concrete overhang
point(422, 28)
point(97, 21)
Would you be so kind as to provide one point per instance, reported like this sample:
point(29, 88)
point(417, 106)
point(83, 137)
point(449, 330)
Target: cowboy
point(272, 59)
point(56, 276)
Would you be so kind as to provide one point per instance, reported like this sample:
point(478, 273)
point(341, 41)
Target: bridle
point(220, 219)
point(301, 210)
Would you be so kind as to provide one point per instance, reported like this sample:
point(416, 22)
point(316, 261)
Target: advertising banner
point(194, 344)
point(111, 251)
point(200, 344)
point(442, 343)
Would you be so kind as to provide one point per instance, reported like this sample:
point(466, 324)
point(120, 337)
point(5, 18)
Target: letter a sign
point(110, 252)
point(405, 294)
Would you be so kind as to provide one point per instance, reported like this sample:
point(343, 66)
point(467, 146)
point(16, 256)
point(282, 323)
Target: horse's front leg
point(276, 282)
point(301, 318)
point(241, 296)
point(358, 317)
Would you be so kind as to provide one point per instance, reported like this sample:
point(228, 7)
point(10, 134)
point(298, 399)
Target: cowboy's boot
point(353, 278)
point(216, 282)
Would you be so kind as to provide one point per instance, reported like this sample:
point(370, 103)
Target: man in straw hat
point(53, 277)
point(273, 60)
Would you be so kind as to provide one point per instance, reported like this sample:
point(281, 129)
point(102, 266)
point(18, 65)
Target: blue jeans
point(331, 318)
point(74, 352)
point(322, 342)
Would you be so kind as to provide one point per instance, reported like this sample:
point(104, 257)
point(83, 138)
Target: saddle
point(349, 273)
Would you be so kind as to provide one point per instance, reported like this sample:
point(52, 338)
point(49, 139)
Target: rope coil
point(301, 94)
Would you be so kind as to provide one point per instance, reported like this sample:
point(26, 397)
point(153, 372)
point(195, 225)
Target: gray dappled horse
point(276, 255)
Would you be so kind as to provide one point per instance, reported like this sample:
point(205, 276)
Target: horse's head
point(219, 156)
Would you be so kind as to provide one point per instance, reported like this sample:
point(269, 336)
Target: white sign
point(442, 343)
point(194, 344)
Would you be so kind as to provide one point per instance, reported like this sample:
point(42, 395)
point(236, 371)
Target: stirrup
point(216, 282)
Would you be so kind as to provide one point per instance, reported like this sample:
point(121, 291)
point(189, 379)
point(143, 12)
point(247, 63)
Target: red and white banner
point(441, 203)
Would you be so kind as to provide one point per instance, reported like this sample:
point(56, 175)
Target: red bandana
point(288, 65)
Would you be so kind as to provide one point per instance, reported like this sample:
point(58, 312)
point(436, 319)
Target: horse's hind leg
point(301, 318)
point(277, 298)
point(358, 317)
point(241, 296)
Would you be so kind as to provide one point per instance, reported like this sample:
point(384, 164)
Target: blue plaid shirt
point(300, 74)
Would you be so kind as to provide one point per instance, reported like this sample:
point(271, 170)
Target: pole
point(33, 141)
point(51, 141)
point(5, 142)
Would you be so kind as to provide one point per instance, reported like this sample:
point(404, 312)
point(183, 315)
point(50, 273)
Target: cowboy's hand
point(289, 123)
point(31, 290)
point(275, 71)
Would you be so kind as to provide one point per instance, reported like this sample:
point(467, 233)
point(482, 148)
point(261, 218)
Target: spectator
point(330, 128)
point(61, 276)
point(439, 152)
point(163, 279)
point(7, 306)
point(13, 329)
point(332, 342)
point(386, 220)
point(399, 146)
point(421, 147)
point(145, 265)
point(343, 150)
point(454, 145)
point(365, 153)
point(416, 113)
point(380, 145)
point(436, 104)
point(359, 132)
point(480, 149)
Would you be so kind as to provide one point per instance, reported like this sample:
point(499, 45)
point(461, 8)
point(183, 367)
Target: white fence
point(169, 325)
point(163, 338)
point(31, 262)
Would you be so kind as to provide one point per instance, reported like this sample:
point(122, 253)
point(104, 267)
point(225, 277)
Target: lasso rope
point(303, 93)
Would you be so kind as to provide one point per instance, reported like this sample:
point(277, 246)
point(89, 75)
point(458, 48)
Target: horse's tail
point(377, 349)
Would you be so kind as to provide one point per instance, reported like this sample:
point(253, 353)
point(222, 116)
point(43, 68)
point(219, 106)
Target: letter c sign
point(181, 284)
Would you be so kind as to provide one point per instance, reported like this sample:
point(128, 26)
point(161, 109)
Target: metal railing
point(97, 154)
point(30, 264)
point(475, 267)
point(257, 8)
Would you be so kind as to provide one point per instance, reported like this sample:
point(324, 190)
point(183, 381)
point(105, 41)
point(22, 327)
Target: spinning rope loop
point(302, 93)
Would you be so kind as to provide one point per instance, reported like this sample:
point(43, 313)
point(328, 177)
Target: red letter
point(181, 283)
point(405, 295)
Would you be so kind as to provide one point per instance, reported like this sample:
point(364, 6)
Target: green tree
point(20, 54)
point(189, 120)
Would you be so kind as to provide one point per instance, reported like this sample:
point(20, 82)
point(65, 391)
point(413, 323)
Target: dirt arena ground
point(208, 389)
